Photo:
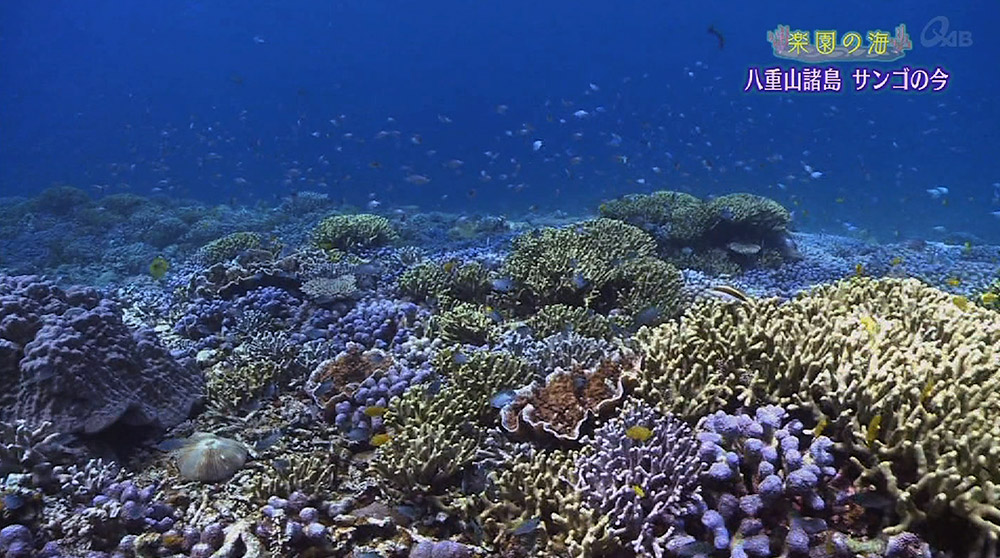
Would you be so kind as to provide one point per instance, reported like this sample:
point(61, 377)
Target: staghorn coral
point(539, 487)
point(558, 318)
point(434, 436)
point(649, 488)
point(467, 282)
point(314, 475)
point(902, 374)
point(228, 247)
point(353, 233)
point(23, 447)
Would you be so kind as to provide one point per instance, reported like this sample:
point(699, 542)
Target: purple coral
point(67, 357)
point(766, 493)
point(649, 486)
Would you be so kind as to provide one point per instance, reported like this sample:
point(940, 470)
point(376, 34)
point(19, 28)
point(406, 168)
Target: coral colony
point(679, 377)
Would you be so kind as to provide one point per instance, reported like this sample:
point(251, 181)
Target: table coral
point(900, 372)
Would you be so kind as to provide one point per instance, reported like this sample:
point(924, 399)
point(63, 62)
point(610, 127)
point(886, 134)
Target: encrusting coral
point(907, 377)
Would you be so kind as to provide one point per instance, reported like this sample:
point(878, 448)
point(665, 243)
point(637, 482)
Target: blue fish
point(500, 400)
point(503, 284)
point(528, 526)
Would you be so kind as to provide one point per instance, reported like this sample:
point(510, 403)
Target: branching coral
point(903, 374)
point(228, 247)
point(648, 487)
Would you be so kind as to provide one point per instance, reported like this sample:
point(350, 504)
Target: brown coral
point(338, 378)
point(562, 404)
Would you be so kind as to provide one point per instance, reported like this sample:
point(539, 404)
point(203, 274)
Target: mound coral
point(66, 357)
point(895, 368)
point(353, 233)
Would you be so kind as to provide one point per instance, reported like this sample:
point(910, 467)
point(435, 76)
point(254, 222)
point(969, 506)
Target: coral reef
point(228, 247)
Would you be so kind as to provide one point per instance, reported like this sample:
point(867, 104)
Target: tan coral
point(906, 377)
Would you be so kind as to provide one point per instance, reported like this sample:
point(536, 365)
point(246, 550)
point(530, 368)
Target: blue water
point(241, 102)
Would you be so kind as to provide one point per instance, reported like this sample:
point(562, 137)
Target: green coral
point(353, 233)
point(228, 247)
point(749, 212)
point(465, 322)
point(682, 217)
point(903, 376)
point(557, 318)
point(721, 235)
point(434, 436)
point(431, 281)
point(602, 265)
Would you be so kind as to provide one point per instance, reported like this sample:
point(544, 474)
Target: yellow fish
point(874, 426)
point(859, 270)
point(820, 427)
point(926, 392)
point(379, 439)
point(954, 281)
point(159, 267)
point(449, 266)
point(870, 325)
point(968, 247)
point(961, 302)
point(639, 491)
point(896, 261)
point(639, 433)
point(989, 298)
point(375, 411)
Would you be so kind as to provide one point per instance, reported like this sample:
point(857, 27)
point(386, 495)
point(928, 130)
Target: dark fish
point(170, 444)
point(502, 284)
point(323, 388)
point(527, 527)
point(648, 316)
point(281, 464)
point(579, 281)
point(357, 435)
point(722, 40)
point(460, 358)
point(268, 441)
point(13, 502)
point(873, 500)
point(500, 400)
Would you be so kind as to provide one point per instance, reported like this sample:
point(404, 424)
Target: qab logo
point(937, 33)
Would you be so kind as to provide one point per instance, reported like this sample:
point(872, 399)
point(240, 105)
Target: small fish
point(527, 526)
point(501, 399)
point(12, 502)
point(648, 316)
point(896, 261)
point(581, 114)
point(967, 248)
point(171, 444)
point(639, 491)
point(449, 266)
point(953, 281)
point(925, 393)
point(729, 294)
point(417, 179)
point(638, 433)
point(579, 281)
point(281, 464)
point(375, 411)
point(872, 500)
point(820, 427)
point(859, 270)
point(870, 325)
point(158, 268)
point(989, 299)
point(460, 358)
point(936, 193)
point(267, 441)
point(379, 439)
point(961, 302)
point(536, 145)
point(502, 284)
point(323, 389)
point(874, 426)
point(357, 434)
